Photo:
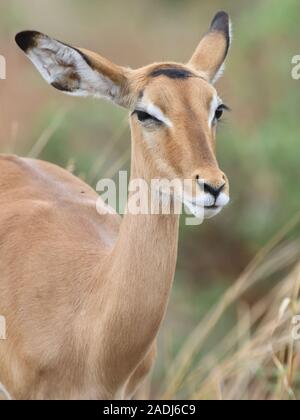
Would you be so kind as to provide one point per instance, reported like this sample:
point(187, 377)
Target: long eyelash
point(225, 107)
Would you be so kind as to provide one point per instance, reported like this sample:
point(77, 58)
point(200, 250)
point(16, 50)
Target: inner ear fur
point(75, 71)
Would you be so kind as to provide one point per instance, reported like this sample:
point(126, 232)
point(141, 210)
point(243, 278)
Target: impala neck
point(148, 245)
point(142, 270)
point(153, 238)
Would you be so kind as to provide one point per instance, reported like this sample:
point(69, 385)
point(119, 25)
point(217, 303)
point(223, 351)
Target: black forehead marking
point(172, 73)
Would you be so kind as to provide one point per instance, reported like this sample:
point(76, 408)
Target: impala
point(84, 294)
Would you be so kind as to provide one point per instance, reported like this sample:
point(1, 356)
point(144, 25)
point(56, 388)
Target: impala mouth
point(201, 211)
point(213, 207)
point(205, 206)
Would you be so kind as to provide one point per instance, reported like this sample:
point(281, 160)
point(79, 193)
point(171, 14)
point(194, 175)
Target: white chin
point(209, 213)
point(203, 212)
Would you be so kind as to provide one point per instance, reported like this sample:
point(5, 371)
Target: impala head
point(174, 107)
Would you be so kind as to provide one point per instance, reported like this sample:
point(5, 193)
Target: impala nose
point(213, 190)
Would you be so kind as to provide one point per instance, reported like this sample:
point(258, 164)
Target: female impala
point(84, 295)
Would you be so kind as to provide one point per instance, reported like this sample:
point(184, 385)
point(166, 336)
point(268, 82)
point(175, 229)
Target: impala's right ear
point(76, 71)
point(211, 53)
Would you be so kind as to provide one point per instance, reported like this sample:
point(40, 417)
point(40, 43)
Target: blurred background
point(236, 271)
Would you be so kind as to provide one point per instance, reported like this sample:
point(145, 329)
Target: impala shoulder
point(8, 160)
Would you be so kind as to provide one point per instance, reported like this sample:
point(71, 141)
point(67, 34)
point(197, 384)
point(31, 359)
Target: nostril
point(210, 188)
point(213, 190)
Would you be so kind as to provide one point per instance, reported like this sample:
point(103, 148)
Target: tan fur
point(209, 64)
point(84, 294)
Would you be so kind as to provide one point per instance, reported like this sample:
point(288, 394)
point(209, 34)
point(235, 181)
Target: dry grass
point(257, 358)
point(47, 134)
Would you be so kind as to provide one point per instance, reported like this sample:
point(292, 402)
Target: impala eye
point(219, 112)
point(145, 117)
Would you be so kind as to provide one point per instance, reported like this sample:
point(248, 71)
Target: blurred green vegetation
point(258, 143)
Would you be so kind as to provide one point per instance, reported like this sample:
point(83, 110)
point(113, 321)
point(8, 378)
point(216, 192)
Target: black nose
point(214, 191)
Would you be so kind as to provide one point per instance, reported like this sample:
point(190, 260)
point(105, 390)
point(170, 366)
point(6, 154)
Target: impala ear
point(211, 53)
point(75, 71)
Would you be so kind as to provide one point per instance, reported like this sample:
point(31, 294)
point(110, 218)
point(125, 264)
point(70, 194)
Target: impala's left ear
point(211, 53)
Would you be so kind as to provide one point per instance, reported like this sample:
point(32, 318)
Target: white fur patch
point(219, 74)
point(230, 32)
point(222, 200)
point(155, 112)
point(4, 392)
point(210, 213)
point(221, 70)
point(203, 202)
point(213, 107)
